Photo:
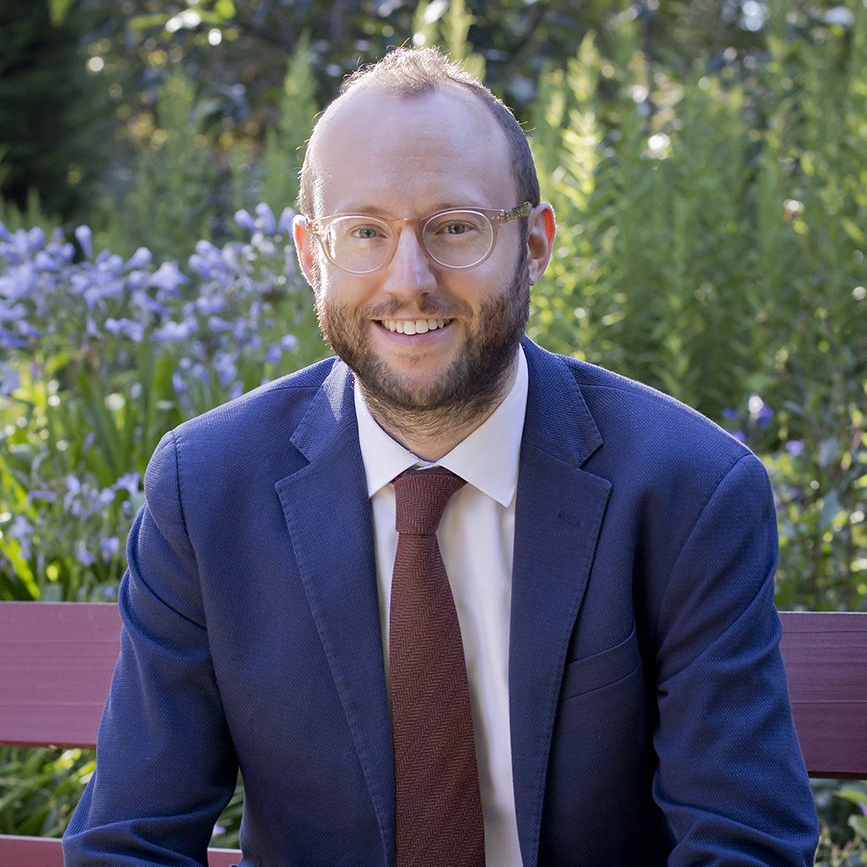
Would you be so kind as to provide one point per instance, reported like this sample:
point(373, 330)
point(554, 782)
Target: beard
point(474, 382)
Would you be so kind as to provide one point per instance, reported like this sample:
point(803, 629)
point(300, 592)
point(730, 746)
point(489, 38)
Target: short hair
point(415, 72)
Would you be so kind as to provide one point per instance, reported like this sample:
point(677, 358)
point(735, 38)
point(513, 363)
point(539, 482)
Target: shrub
point(100, 356)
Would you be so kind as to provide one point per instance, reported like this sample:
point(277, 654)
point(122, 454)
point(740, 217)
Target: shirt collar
point(487, 458)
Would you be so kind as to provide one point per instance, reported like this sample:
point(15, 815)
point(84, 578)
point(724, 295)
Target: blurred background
point(707, 162)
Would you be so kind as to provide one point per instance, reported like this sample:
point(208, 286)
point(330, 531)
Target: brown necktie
point(439, 811)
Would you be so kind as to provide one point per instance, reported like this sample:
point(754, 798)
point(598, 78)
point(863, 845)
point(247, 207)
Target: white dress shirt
point(476, 537)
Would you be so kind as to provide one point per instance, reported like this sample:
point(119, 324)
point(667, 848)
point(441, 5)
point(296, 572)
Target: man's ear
point(541, 229)
point(304, 247)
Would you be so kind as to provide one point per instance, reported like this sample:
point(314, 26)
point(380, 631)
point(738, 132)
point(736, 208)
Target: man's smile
point(413, 326)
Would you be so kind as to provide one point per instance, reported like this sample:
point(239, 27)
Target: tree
point(53, 116)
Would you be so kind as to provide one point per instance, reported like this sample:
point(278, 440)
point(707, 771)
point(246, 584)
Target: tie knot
point(421, 497)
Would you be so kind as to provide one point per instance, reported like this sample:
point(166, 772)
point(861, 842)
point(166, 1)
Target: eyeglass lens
point(456, 239)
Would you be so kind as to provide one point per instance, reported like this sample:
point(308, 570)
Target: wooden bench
point(56, 661)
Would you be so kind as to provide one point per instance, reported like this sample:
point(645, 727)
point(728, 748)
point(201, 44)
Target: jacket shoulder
point(245, 434)
point(629, 411)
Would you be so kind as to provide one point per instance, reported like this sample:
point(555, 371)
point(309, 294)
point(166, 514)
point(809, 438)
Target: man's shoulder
point(280, 399)
point(249, 427)
point(636, 419)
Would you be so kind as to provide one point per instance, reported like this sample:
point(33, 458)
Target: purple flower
point(84, 236)
point(109, 548)
point(84, 556)
point(173, 332)
point(10, 379)
point(263, 244)
point(35, 239)
point(168, 278)
point(61, 250)
point(20, 530)
point(265, 219)
point(44, 261)
point(140, 259)
point(47, 496)
point(209, 268)
point(108, 262)
point(207, 304)
point(217, 324)
point(795, 448)
point(225, 367)
point(129, 482)
point(245, 221)
point(125, 328)
point(147, 304)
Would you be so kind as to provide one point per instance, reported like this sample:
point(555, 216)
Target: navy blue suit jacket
point(650, 720)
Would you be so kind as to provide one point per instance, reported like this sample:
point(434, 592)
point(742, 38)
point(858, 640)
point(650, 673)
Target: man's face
point(407, 158)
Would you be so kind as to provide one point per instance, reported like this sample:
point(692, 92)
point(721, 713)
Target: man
point(610, 558)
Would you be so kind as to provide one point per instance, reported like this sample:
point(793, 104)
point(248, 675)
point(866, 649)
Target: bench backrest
point(56, 661)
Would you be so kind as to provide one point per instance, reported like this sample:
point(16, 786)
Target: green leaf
point(58, 10)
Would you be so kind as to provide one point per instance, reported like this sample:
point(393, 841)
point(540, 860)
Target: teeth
point(414, 326)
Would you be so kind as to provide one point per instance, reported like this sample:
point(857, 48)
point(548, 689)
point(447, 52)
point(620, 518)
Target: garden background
point(707, 162)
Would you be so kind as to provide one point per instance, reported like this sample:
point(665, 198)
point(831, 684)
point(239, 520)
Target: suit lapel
point(327, 511)
point(559, 515)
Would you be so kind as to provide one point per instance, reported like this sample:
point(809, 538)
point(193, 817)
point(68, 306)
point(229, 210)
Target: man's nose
point(410, 272)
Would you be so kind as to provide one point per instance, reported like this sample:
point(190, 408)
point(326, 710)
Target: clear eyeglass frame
point(493, 217)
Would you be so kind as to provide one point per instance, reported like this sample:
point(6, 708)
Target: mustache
point(423, 307)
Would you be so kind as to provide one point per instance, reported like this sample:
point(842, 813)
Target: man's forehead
point(378, 130)
point(366, 111)
point(431, 98)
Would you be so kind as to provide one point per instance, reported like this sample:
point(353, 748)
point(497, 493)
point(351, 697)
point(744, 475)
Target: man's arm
point(731, 778)
point(165, 763)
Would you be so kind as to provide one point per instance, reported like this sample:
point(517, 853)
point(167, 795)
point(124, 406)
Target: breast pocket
point(601, 669)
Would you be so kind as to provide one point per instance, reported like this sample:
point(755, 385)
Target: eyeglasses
point(360, 244)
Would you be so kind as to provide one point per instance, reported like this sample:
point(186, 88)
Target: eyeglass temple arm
point(514, 214)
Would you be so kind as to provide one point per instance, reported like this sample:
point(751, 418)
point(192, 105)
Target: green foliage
point(843, 839)
point(39, 789)
point(273, 179)
point(653, 186)
point(53, 118)
point(173, 200)
point(448, 26)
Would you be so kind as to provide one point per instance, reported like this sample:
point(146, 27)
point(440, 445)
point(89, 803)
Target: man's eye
point(453, 227)
point(457, 228)
point(364, 233)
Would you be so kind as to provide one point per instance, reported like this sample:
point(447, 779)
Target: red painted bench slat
point(826, 661)
point(46, 852)
point(56, 661)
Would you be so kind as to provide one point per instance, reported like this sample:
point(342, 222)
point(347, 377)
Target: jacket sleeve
point(165, 764)
point(731, 778)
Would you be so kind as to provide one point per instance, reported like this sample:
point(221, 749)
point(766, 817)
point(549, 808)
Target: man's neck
point(432, 434)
